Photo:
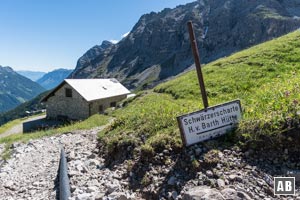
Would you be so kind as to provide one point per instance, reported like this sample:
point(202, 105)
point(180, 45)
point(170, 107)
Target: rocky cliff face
point(158, 45)
point(15, 89)
point(87, 63)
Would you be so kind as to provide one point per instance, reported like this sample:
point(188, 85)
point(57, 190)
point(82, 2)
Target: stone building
point(80, 98)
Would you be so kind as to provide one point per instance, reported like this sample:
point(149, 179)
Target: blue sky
point(43, 35)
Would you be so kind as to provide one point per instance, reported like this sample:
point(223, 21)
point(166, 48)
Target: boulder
point(203, 193)
point(229, 193)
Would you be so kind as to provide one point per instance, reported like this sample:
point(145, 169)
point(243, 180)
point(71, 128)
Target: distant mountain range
point(158, 46)
point(54, 78)
point(20, 111)
point(16, 89)
point(32, 75)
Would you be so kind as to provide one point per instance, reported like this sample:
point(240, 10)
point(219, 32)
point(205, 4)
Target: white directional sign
point(210, 122)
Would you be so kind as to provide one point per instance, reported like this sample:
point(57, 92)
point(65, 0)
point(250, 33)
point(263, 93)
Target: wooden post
point(197, 63)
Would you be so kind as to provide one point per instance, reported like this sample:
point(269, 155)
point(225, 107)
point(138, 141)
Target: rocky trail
point(1, 151)
point(1, 148)
point(31, 173)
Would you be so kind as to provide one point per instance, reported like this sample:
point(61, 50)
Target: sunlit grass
point(93, 121)
point(10, 124)
point(265, 78)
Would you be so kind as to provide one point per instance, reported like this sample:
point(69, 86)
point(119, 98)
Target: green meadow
point(266, 78)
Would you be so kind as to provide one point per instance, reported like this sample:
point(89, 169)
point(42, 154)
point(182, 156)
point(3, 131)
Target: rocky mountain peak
point(158, 46)
point(106, 44)
point(93, 55)
point(6, 69)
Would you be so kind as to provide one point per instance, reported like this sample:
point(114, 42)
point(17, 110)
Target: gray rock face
point(93, 55)
point(158, 45)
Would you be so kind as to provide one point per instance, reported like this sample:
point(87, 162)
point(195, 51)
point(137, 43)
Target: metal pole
point(197, 63)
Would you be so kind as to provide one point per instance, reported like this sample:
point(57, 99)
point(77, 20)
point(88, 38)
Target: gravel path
point(19, 127)
point(89, 179)
point(1, 149)
point(31, 171)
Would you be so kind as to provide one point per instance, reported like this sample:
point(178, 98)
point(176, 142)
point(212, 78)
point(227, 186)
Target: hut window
point(113, 104)
point(68, 92)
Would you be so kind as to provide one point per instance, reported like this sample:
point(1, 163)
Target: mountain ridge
point(16, 89)
point(158, 45)
point(32, 75)
point(51, 79)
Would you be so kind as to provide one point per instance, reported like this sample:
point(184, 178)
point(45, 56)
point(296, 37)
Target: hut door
point(101, 110)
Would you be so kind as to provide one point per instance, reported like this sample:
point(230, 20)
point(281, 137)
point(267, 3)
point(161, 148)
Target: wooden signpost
point(197, 63)
point(210, 122)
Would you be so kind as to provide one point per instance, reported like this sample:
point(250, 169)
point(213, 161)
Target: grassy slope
point(93, 121)
point(265, 78)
